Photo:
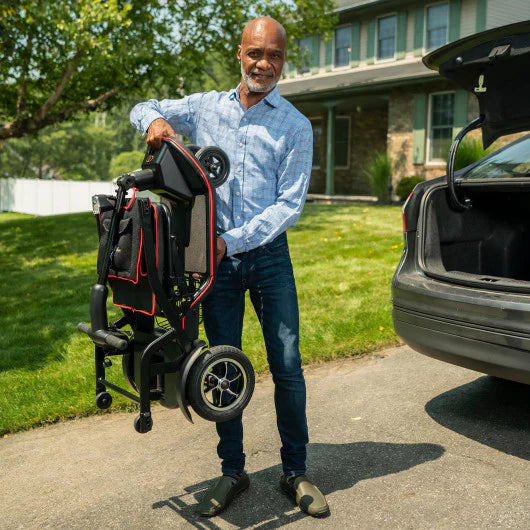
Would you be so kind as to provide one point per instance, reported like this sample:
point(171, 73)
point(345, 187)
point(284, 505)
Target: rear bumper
point(496, 352)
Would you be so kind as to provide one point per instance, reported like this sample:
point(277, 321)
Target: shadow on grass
point(49, 265)
point(491, 411)
point(333, 466)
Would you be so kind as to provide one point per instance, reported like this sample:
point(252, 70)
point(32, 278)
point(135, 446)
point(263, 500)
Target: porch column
point(330, 149)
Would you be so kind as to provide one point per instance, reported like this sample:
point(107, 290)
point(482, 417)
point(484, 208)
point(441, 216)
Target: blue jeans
point(268, 274)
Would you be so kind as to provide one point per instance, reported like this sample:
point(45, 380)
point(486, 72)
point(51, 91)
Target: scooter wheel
point(193, 148)
point(216, 164)
point(220, 383)
point(103, 400)
point(138, 427)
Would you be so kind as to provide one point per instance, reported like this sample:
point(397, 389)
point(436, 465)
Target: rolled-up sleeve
point(294, 173)
point(181, 114)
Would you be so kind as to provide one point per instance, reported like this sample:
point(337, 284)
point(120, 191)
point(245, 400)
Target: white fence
point(50, 197)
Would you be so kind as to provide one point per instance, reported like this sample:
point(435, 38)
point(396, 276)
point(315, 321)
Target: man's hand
point(221, 249)
point(156, 131)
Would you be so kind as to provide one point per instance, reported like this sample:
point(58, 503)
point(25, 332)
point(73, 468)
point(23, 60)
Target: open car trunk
point(487, 246)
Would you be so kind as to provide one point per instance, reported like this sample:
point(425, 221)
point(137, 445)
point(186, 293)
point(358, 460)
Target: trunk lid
point(493, 65)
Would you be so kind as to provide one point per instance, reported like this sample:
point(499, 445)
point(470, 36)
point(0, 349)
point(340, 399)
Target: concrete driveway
point(398, 440)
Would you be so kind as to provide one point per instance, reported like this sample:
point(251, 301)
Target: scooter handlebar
point(103, 337)
point(143, 179)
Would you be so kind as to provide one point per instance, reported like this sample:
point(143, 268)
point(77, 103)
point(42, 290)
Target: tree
point(67, 56)
point(124, 162)
point(74, 150)
point(81, 148)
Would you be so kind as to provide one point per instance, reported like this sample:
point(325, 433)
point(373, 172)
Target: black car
point(461, 292)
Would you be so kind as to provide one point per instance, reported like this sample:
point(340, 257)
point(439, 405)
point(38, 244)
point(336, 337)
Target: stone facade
point(400, 127)
point(368, 133)
point(400, 136)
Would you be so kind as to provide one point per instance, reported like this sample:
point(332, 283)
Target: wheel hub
point(223, 384)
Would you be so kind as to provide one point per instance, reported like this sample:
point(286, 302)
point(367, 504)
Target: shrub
point(125, 162)
point(378, 169)
point(406, 185)
point(469, 151)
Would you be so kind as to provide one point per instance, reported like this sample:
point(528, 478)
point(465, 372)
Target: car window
point(511, 162)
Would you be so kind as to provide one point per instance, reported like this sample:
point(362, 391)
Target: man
point(269, 144)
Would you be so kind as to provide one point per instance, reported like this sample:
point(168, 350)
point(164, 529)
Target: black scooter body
point(159, 258)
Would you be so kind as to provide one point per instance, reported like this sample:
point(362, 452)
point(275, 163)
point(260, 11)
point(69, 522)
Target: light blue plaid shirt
point(270, 147)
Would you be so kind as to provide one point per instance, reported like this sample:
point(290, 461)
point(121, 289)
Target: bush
point(469, 151)
point(125, 162)
point(378, 169)
point(406, 185)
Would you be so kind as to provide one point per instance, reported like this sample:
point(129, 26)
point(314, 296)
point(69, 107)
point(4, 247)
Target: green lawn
point(344, 257)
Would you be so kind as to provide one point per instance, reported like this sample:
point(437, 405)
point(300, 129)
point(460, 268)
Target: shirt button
point(237, 193)
point(240, 144)
point(238, 217)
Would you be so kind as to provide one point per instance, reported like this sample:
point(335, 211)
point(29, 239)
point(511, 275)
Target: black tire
point(103, 400)
point(138, 424)
point(193, 148)
point(216, 164)
point(220, 366)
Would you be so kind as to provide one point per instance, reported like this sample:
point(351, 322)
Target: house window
point(386, 37)
point(342, 141)
point(441, 117)
point(305, 47)
point(437, 26)
point(342, 46)
point(316, 123)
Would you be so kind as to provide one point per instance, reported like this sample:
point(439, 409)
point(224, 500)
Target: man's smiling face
point(262, 54)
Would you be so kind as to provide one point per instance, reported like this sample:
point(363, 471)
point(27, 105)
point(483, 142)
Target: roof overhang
point(360, 9)
point(356, 81)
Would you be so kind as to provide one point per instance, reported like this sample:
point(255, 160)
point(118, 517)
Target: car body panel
point(484, 331)
point(450, 345)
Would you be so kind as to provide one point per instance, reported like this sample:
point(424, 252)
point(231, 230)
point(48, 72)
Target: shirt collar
point(234, 93)
point(272, 98)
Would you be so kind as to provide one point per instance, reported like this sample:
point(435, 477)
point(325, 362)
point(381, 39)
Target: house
point(366, 89)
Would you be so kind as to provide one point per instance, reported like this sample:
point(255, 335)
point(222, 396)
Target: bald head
point(262, 54)
point(261, 25)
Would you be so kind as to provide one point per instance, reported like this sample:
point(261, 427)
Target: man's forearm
point(143, 114)
point(178, 113)
point(263, 228)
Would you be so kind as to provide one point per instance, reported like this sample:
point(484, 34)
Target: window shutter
point(454, 20)
point(370, 45)
point(329, 55)
point(481, 15)
point(419, 15)
point(460, 117)
point(418, 133)
point(355, 55)
point(315, 55)
point(401, 40)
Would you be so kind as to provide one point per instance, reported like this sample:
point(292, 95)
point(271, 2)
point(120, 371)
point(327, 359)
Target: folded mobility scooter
point(159, 259)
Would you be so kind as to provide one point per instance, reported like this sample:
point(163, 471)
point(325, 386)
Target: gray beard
point(254, 87)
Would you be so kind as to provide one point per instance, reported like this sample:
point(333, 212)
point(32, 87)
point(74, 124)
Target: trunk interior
point(487, 245)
